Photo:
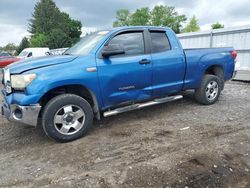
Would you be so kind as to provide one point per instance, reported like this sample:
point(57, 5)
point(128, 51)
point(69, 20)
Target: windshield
point(23, 54)
point(86, 44)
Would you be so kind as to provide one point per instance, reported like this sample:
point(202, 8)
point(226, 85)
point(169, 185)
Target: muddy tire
point(67, 117)
point(209, 90)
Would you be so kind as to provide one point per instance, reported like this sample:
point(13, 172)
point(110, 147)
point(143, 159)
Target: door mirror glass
point(112, 49)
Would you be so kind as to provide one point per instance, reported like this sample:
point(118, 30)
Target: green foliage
point(48, 21)
point(167, 16)
point(217, 25)
point(58, 38)
point(122, 18)
point(10, 47)
point(72, 28)
point(192, 26)
point(23, 44)
point(159, 16)
point(140, 17)
point(39, 40)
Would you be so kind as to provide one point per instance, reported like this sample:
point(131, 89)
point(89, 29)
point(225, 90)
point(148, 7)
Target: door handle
point(144, 61)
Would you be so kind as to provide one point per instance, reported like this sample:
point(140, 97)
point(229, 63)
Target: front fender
point(75, 73)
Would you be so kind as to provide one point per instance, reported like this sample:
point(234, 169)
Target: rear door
point(126, 78)
point(168, 64)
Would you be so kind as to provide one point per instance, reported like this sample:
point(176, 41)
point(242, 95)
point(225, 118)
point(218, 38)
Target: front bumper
point(21, 114)
point(234, 74)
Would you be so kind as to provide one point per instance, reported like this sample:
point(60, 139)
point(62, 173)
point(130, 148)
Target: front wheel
point(209, 90)
point(67, 117)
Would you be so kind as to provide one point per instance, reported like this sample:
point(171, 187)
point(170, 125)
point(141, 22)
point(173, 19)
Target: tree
point(217, 25)
point(47, 20)
point(73, 28)
point(39, 40)
point(58, 38)
point(140, 17)
point(192, 26)
point(10, 47)
point(122, 18)
point(23, 44)
point(167, 16)
point(159, 16)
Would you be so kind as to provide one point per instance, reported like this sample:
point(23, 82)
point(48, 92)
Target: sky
point(100, 14)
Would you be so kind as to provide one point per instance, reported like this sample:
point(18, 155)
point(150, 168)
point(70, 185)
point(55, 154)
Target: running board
point(141, 105)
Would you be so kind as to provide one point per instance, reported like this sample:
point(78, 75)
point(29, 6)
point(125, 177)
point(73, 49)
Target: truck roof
point(133, 27)
point(138, 27)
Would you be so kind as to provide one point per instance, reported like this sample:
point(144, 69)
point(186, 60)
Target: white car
point(33, 52)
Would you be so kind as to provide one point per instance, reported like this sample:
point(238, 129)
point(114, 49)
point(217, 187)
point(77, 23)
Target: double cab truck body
point(109, 72)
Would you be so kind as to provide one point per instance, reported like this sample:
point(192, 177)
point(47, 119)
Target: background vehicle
point(58, 51)
point(33, 52)
point(26, 53)
point(4, 54)
point(4, 61)
point(110, 72)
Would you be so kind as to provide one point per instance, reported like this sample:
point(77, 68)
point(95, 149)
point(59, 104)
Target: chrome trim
point(6, 76)
point(6, 80)
point(29, 113)
point(141, 105)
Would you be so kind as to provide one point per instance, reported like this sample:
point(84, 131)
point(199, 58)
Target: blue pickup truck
point(109, 72)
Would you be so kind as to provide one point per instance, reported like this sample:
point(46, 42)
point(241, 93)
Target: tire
point(67, 117)
point(209, 90)
point(220, 73)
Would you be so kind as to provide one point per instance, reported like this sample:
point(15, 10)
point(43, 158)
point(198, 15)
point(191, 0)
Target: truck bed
point(197, 59)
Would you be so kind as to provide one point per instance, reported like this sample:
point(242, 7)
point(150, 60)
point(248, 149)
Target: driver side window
point(132, 42)
point(30, 54)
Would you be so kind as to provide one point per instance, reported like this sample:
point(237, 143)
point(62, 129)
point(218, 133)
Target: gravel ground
point(178, 144)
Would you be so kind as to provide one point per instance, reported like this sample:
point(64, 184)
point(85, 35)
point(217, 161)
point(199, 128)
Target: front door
point(126, 78)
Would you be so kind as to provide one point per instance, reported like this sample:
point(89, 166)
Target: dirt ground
point(178, 144)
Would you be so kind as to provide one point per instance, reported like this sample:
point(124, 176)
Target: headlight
point(20, 82)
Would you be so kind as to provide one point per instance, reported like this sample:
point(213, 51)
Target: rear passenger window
point(160, 42)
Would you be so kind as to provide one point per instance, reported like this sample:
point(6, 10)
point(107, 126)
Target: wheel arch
point(76, 89)
point(216, 70)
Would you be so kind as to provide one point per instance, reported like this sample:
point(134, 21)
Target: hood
point(35, 63)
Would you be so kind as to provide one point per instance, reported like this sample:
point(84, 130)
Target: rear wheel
point(67, 117)
point(209, 90)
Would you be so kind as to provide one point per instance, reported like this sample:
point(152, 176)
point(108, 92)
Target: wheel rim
point(212, 90)
point(69, 119)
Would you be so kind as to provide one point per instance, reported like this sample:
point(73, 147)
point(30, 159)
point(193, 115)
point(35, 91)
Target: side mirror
point(112, 49)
